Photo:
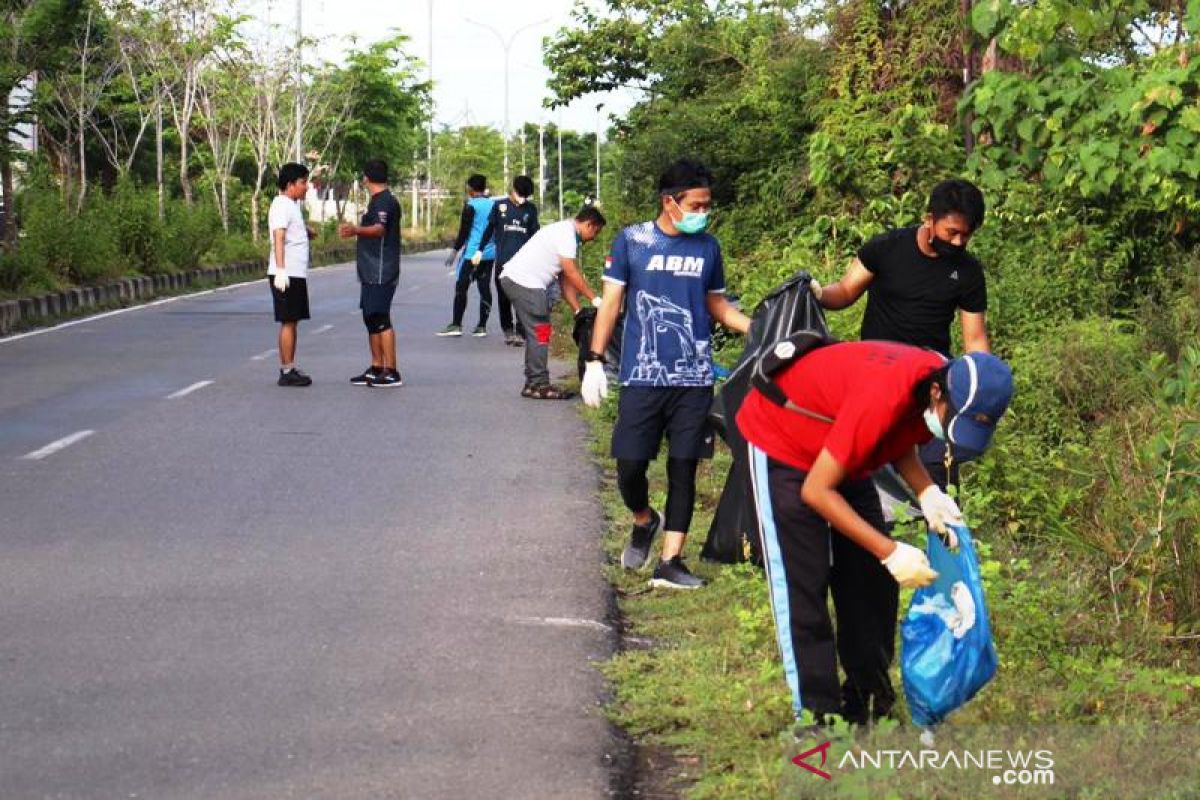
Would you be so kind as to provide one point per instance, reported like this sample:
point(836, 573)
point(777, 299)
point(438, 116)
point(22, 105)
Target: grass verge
point(706, 681)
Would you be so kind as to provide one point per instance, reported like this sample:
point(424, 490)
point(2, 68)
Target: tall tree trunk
point(223, 202)
point(184, 182)
point(158, 161)
point(968, 73)
point(254, 210)
point(83, 185)
point(8, 222)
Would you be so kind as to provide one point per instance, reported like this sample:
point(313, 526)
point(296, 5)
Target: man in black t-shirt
point(512, 223)
point(378, 260)
point(916, 278)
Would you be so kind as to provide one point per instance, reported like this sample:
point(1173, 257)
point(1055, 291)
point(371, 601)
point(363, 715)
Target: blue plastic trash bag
point(947, 653)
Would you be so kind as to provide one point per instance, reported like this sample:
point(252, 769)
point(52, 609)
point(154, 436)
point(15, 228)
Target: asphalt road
point(237, 590)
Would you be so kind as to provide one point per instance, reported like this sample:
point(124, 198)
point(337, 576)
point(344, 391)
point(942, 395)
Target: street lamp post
point(429, 132)
point(558, 128)
point(298, 145)
point(506, 44)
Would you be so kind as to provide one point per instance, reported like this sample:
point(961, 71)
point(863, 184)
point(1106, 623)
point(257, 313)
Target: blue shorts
point(645, 413)
point(376, 298)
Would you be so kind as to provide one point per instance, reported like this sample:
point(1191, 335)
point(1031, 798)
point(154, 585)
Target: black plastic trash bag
point(581, 334)
point(733, 535)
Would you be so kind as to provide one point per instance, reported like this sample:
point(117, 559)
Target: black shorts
point(376, 298)
point(645, 413)
point(292, 305)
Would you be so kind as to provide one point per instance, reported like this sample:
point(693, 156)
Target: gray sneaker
point(636, 553)
point(674, 574)
point(450, 330)
point(479, 331)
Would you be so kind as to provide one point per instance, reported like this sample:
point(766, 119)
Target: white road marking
point(188, 390)
point(322, 329)
point(54, 447)
point(264, 355)
point(563, 622)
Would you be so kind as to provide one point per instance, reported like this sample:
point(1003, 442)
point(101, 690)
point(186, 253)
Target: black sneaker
point(293, 377)
point(367, 376)
point(636, 553)
point(674, 574)
point(479, 331)
point(387, 378)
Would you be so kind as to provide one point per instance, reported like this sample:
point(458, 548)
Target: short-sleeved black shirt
point(913, 297)
point(379, 258)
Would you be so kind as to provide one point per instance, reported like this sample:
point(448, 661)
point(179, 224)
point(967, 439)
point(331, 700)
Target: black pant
point(681, 490)
point(481, 275)
point(806, 561)
point(504, 306)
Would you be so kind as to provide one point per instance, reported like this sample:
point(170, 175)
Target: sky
point(468, 59)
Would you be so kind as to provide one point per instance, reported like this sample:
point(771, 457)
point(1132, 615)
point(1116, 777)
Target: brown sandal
point(547, 391)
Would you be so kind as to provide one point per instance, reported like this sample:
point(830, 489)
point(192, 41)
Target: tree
point(386, 113)
point(32, 33)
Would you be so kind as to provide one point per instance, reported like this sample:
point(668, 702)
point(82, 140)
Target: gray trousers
point(533, 312)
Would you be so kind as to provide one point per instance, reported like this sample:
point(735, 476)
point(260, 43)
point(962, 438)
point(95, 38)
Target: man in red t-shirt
point(852, 408)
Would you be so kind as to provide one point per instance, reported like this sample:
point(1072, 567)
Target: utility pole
point(560, 175)
point(541, 165)
point(298, 146)
point(598, 107)
point(506, 44)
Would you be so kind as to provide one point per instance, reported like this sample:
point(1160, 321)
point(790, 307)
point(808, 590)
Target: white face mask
point(934, 423)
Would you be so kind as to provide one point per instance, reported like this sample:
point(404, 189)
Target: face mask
point(692, 221)
point(934, 423)
point(944, 248)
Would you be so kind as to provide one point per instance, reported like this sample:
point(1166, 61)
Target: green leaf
point(985, 17)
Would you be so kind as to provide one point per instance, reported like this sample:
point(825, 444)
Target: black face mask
point(944, 248)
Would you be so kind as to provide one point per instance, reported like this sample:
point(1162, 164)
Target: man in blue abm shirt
point(670, 273)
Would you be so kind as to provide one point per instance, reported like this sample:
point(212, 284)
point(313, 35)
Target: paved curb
point(25, 312)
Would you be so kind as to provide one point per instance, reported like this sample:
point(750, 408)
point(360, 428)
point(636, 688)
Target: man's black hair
point(376, 170)
point(923, 391)
point(591, 214)
point(523, 185)
point(289, 173)
point(684, 174)
point(957, 196)
point(477, 183)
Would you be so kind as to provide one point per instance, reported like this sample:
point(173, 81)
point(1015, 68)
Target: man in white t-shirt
point(287, 267)
point(550, 256)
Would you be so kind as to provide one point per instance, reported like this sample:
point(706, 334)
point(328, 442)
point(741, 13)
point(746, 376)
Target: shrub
point(190, 233)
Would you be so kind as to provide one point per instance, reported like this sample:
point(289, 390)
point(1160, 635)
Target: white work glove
point(940, 512)
point(475, 259)
point(281, 281)
point(595, 384)
point(909, 567)
point(814, 286)
point(596, 302)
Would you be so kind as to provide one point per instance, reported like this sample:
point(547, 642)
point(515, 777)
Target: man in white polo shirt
point(287, 268)
point(550, 256)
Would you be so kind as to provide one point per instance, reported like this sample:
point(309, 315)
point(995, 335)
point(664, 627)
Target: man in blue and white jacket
point(474, 263)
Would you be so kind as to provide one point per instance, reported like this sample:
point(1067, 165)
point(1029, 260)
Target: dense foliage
point(827, 122)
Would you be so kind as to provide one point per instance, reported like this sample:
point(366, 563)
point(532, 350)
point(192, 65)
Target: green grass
point(709, 685)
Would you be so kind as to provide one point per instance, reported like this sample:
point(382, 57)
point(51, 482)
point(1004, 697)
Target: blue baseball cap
point(980, 387)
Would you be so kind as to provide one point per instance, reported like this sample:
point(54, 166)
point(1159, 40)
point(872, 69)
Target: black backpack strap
point(780, 355)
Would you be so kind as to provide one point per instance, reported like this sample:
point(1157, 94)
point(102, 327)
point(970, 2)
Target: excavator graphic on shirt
point(668, 354)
